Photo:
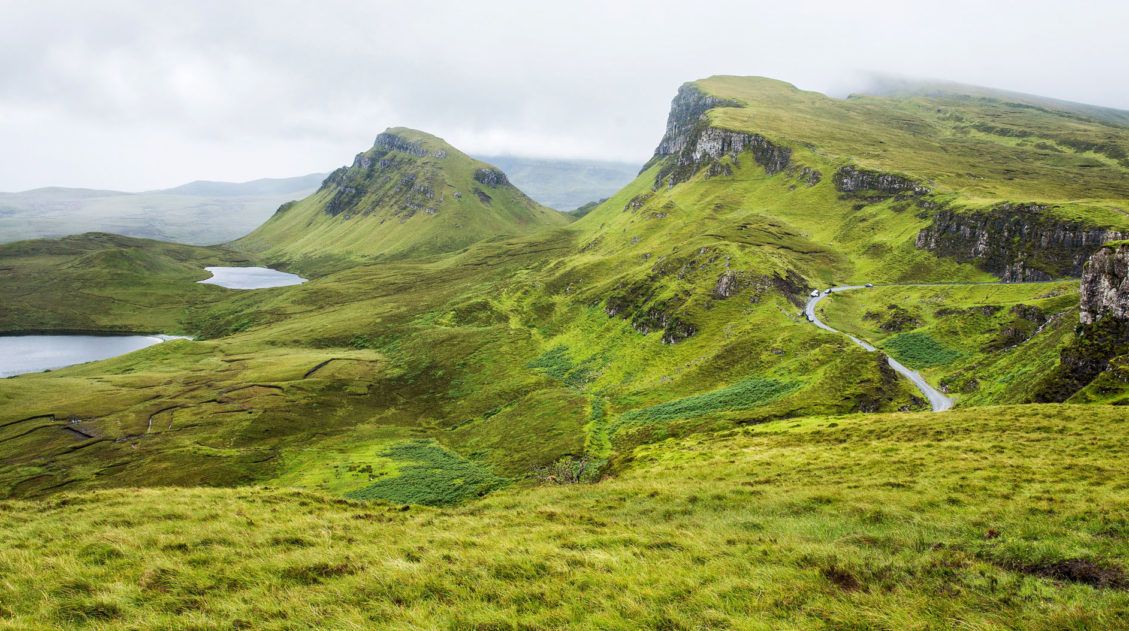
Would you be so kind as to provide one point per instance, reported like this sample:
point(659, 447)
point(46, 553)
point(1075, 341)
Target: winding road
point(939, 401)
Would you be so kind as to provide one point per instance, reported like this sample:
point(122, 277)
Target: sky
point(139, 95)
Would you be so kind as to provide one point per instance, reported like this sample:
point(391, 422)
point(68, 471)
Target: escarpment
point(1093, 365)
point(1018, 242)
point(1105, 285)
point(691, 143)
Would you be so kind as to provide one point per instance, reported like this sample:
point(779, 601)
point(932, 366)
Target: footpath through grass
point(988, 518)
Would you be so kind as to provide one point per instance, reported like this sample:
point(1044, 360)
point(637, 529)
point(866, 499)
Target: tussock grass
point(1008, 517)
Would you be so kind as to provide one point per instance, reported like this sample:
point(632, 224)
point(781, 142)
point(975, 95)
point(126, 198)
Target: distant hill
point(410, 195)
point(265, 186)
point(196, 213)
point(900, 87)
point(565, 184)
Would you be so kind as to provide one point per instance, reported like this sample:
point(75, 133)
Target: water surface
point(21, 354)
point(251, 277)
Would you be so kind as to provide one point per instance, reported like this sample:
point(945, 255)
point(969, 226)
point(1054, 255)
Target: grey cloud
point(136, 95)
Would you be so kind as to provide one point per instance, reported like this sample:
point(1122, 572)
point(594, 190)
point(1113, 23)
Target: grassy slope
point(991, 518)
point(390, 219)
point(101, 282)
point(967, 337)
point(485, 353)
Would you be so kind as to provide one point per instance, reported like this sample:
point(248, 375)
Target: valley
point(464, 409)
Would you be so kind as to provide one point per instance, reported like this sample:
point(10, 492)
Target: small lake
point(251, 278)
point(21, 354)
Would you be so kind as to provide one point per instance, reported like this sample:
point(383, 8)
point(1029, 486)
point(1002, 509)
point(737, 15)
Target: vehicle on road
point(814, 293)
point(826, 292)
point(868, 285)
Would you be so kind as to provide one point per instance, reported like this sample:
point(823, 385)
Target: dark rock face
point(708, 145)
point(854, 181)
point(389, 174)
point(1103, 334)
point(726, 285)
point(895, 319)
point(686, 109)
point(695, 145)
point(1018, 242)
point(1105, 285)
point(491, 177)
point(391, 142)
point(1084, 359)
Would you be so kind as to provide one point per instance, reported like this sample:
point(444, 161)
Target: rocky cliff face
point(686, 110)
point(1018, 242)
point(693, 144)
point(1095, 359)
point(1105, 285)
point(855, 181)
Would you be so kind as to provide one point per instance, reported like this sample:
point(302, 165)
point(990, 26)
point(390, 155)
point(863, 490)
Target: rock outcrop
point(691, 144)
point(1097, 352)
point(491, 177)
point(391, 142)
point(686, 110)
point(1018, 242)
point(855, 181)
point(1105, 285)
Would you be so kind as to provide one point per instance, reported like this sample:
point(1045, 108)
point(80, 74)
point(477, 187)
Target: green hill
point(657, 431)
point(411, 195)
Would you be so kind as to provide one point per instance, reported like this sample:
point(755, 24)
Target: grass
point(919, 350)
point(936, 139)
point(105, 283)
point(984, 343)
point(429, 475)
point(746, 394)
point(989, 518)
point(656, 342)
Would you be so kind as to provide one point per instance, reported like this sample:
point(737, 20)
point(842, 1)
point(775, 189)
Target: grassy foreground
point(988, 518)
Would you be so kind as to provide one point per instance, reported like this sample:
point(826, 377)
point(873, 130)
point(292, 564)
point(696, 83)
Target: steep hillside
point(1023, 192)
point(411, 195)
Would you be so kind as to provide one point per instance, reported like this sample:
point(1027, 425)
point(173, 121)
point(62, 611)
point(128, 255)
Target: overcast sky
point(141, 95)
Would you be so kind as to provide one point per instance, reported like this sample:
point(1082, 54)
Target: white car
point(827, 292)
point(814, 293)
point(869, 285)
